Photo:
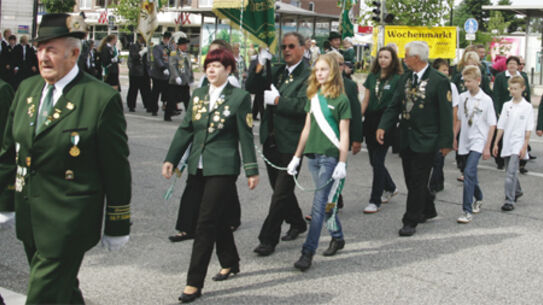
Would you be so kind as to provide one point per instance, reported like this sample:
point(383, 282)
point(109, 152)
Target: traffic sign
point(470, 36)
point(471, 26)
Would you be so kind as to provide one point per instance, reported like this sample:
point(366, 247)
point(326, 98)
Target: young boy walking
point(477, 122)
point(515, 125)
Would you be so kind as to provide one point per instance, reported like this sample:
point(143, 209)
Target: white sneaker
point(476, 208)
point(465, 218)
point(371, 208)
point(388, 195)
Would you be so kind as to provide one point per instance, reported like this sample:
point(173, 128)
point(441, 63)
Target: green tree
point(410, 12)
point(472, 9)
point(58, 6)
point(497, 24)
point(514, 23)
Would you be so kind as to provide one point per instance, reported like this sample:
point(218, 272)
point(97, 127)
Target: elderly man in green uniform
point(65, 146)
point(425, 127)
point(282, 123)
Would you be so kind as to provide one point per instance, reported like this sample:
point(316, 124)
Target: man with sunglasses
point(280, 128)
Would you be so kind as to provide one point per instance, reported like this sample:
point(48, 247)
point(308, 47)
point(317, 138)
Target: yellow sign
point(441, 40)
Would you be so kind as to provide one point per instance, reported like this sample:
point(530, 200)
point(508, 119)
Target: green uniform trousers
point(53, 280)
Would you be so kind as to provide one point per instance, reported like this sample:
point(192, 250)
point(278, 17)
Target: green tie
point(46, 108)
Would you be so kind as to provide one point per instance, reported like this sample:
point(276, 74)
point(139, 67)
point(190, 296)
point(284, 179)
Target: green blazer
point(60, 207)
point(501, 91)
point(288, 115)
point(217, 135)
point(540, 115)
point(355, 128)
point(459, 81)
point(6, 97)
point(428, 126)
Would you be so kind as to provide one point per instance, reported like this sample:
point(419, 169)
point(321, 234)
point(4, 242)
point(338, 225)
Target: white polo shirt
point(478, 109)
point(515, 120)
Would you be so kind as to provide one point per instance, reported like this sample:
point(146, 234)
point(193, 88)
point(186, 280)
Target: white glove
point(7, 220)
point(178, 80)
point(113, 243)
point(263, 55)
point(271, 95)
point(340, 171)
point(143, 52)
point(166, 72)
point(114, 60)
point(292, 168)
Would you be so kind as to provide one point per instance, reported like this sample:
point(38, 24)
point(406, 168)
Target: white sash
point(321, 121)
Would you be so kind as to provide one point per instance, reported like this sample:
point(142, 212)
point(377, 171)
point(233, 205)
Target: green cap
point(61, 25)
point(333, 35)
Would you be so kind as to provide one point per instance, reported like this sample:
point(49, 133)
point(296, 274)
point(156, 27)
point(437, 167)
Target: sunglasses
point(290, 46)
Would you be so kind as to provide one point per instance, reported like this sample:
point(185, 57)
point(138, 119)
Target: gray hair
point(72, 43)
point(419, 49)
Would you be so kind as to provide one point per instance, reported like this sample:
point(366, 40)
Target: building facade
point(16, 15)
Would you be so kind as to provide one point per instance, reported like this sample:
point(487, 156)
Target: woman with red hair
point(218, 123)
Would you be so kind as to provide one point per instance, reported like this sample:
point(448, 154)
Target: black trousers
point(160, 87)
point(184, 96)
point(212, 228)
point(284, 205)
point(189, 207)
point(420, 202)
point(498, 159)
point(141, 84)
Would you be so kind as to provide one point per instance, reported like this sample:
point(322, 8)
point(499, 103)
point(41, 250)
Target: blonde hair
point(472, 71)
point(333, 86)
point(467, 56)
point(517, 80)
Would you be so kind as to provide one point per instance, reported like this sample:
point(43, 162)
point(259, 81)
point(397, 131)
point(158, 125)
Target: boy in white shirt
point(477, 122)
point(515, 125)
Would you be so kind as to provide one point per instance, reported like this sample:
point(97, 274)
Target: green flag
point(345, 26)
point(256, 18)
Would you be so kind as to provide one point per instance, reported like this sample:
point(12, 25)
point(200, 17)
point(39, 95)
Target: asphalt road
point(496, 259)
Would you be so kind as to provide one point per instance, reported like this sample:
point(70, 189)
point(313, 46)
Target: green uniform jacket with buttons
point(428, 127)
point(501, 92)
point(288, 115)
point(219, 147)
point(61, 204)
point(6, 97)
point(355, 128)
point(459, 81)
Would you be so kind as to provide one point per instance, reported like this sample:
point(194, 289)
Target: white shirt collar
point(59, 86)
point(508, 74)
point(477, 96)
point(214, 93)
point(291, 68)
point(421, 72)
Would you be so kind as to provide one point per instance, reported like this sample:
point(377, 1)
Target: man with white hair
point(65, 147)
point(425, 127)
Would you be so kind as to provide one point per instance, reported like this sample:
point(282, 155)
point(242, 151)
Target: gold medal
point(69, 175)
point(421, 106)
point(74, 151)
point(210, 129)
point(56, 115)
point(29, 100)
point(216, 118)
point(198, 116)
point(70, 106)
point(28, 161)
point(31, 110)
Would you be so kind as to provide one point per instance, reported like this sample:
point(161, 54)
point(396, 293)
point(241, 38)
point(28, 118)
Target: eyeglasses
point(290, 46)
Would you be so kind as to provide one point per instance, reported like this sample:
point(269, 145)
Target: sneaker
point(371, 208)
point(465, 218)
point(387, 195)
point(476, 208)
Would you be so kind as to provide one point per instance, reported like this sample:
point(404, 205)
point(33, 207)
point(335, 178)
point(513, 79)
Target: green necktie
point(46, 108)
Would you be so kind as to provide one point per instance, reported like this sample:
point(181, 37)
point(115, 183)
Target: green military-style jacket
point(501, 91)
point(216, 135)
point(349, 55)
point(65, 172)
point(288, 116)
point(6, 97)
point(426, 112)
point(540, 115)
point(459, 81)
point(355, 128)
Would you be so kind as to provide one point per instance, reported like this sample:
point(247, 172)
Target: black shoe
point(180, 237)
point(167, 119)
point(500, 166)
point(154, 113)
point(523, 170)
point(264, 250)
point(187, 298)
point(131, 110)
point(532, 157)
point(407, 230)
point(436, 188)
point(335, 245)
point(340, 202)
point(223, 277)
point(517, 196)
point(304, 262)
point(176, 113)
point(292, 234)
point(507, 207)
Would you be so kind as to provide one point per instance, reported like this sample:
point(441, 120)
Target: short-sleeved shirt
point(515, 119)
point(380, 94)
point(317, 142)
point(478, 109)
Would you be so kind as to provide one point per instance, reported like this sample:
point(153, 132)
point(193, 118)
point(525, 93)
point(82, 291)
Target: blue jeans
point(381, 178)
point(471, 182)
point(321, 168)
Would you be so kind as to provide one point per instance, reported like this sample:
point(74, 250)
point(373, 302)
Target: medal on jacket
point(216, 117)
point(31, 110)
point(74, 138)
point(226, 111)
point(211, 128)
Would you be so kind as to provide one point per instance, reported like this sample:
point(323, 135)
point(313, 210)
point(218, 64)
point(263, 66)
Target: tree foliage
point(514, 23)
point(497, 24)
point(58, 6)
point(410, 12)
point(472, 9)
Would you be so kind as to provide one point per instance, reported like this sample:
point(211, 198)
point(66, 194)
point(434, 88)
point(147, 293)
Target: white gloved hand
point(340, 171)
point(178, 80)
point(113, 243)
point(114, 60)
point(7, 220)
point(166, 72)
point(292, 168)
point(271, 95)
point(143, 52)
point(263, 55)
